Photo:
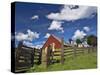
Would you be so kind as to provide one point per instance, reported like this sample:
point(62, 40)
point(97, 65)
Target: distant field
point(83, 61)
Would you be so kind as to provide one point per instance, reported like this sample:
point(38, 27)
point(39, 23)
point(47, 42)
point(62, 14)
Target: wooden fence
point(76, 51)
point(68, 51)
point(26, 57)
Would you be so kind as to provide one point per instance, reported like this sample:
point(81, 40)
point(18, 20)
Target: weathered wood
point(67, 54)
point(26, 56)
point(74, 50)
point(39, 62)
point(57, 54)
point(68, 51)
point(48, 56)
point(88, 50)
point(68, 48)
point(62, 52)
point(57, 51)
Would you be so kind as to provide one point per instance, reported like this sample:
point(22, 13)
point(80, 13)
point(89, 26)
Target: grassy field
point(83, 61)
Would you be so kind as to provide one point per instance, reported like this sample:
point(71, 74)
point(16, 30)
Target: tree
point(78, 41)
point(92, 40)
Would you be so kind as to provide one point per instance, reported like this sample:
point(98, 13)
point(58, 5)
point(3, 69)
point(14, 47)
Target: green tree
point(92, 40)
point(78, 41)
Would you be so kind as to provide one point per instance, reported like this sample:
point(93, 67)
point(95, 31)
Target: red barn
point(53, 40)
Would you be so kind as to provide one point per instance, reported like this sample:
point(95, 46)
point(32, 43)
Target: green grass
point(83, 61)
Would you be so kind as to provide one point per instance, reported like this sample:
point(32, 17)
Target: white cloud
point(21, 36)
point(79, 35)
point(47, 35)
point(86, 29)
point(56, 25)
point(43, 42)
point(28, 36)
point(32, 35)
point(34, 17)
point(70, 13)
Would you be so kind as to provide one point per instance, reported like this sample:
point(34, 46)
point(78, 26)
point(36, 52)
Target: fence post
point(92, 49)
point(46, 60)
point(84, 51)
point(88, 49)
point(32, 57)
point(48, 56)
point(62, 51)
point(40, 54)
point(74, 49)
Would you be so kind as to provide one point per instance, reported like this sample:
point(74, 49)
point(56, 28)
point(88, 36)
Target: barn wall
point(51, 40)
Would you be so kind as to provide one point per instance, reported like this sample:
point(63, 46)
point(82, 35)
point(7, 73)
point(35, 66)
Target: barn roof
point(56, 38)
point(59, 39)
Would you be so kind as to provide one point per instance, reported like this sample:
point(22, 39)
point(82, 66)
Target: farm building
point(54, 42)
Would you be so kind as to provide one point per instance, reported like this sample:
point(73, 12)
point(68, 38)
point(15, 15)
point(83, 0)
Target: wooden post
point(83, 51)
point(48, 56)
point(52, 54)
point(92, 49)
point(17, 53)
point(47, 59)
point(40, 54)
point(32, 57)
point(62, 52)
point(74, 49)
point(88, 49)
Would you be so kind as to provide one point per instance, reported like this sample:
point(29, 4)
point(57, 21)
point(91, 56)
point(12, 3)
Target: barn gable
point(53, 39)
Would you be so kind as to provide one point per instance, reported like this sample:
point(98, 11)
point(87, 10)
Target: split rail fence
point(67, 51)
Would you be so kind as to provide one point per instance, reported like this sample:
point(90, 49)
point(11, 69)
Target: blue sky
point(35, 22)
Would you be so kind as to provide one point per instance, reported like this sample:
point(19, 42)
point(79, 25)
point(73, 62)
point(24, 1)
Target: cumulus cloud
point(28, 36)
point(79, 35)
point(71, 12)
point(21, 36)
point(34, 17)
point(56, 25)
point(43, 42)
point(86, 29)
point(32, 35)
point(47, 35)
